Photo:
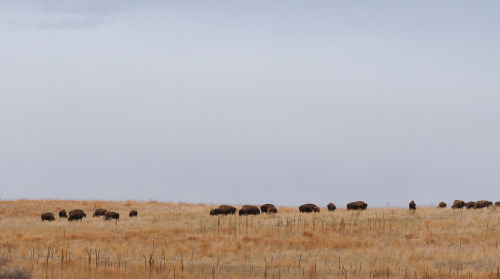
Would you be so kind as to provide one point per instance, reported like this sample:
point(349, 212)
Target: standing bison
point(48, 216)
point(331, 207)
point(132, 213)
point(99, 212)
point(497, 204)
point(249, 210)
point(358, 205)
point(458, 204)
point(62, 214)
point(308, 208)
point(111, 215)
point(470, 205)
point(483, 204)
point(226, 209)
point(76, 215)
point(442, 205)
point(268, 208)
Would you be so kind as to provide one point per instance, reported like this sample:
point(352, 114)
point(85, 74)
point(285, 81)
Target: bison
point(470, 205)
point(331, 207)
point(111, 215)
point(497, 204)
point(358, 205)
point(99, 212)
point(483, 204)
point(76, 215)
point(132, 213)
point(62, 214)
point(441, 205)
point(412, 205)
point(268, 208)
point(249, 210)
point(226, 209)
point(458, 204)
point(308, 208)
point(48, 216)
point(214, 212)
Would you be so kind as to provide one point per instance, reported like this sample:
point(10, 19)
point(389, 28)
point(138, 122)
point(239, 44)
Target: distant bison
point(99, 212)
point(358, 205)
point(249, 210)
point(214, 212)
point(226, 209)
point(111, 215)
point(412, 205)
point(268, 208)
point(458, 204)
point(132, 213)
point(442, 205)
point(76, 215)
point(331, 207)
point(483, 204)
point(48, 216)
point(308, 208)
point(497, 204)
point(62, 214)
point(470, 205)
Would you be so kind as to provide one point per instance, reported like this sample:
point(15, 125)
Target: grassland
point(172, 240)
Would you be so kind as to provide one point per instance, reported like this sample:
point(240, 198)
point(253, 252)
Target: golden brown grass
point(176, 240)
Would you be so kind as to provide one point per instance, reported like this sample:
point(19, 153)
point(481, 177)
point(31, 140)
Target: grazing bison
point(214, 212)
point(458, 204)
point(99, 212)
point(308, 208)
point(412, 205)
point(441, 205)
point(226, 209)
point(249, 210)
point(111, 215)
point(331, 207)
point(76, 215)
point(48, 216)
point(62, 214)
point(497, 204)
point(470, 205)
point(268, 208)
point(358, 205)
point(483, 204)
point(132, 213)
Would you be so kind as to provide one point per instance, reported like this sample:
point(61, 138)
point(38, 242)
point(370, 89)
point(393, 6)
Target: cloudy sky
point(250, 101)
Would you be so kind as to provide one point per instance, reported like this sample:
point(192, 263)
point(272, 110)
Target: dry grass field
point(175, 240)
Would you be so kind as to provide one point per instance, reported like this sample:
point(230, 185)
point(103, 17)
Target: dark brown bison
point(308, 208)
point(76, 215)
point(249, 210)
point(214, 212)
point(111, 215)
point(48, 216)
point(226, 209)
point(132, 213)
point(331, 207)
point(412, 205)
point(458, 204)
point(497, 204)
point(470, 205)
point(268, 208)
point(62, 214)
point(483, 204)
point(358, 205)
point(442, 205)
point(99, 212)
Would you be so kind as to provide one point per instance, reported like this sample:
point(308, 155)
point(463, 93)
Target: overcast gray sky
point(250, 101)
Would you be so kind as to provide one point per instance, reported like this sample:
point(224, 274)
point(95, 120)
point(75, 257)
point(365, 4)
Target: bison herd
point(78, 215)
point(458, 204)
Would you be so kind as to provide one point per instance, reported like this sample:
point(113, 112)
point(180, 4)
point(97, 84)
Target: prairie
point(178, 240)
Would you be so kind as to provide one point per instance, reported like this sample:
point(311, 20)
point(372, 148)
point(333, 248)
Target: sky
point(250, 102)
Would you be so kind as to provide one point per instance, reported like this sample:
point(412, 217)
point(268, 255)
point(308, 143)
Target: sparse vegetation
point(176, 240)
